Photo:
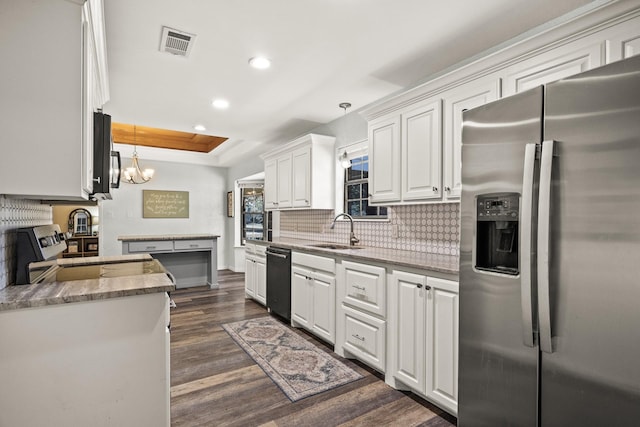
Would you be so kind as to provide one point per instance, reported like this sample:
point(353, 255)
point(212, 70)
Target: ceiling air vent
point(176, 42)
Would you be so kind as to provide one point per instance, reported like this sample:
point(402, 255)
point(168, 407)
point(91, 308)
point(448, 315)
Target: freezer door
point(591, 377)
point(498, 372)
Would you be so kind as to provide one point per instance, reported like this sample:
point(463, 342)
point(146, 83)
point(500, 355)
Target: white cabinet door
point(364, 287)
point(260, 278)
point(271, 184)
point(624, 40)
point(301, 297)
point(442, 343)
point(249, 277)
point(385, 160)
point(301, 177)
point(553, 65)
point(465, 97)
point(407, 303)
point(284, 182)
point(324, 312)
point(421, 131)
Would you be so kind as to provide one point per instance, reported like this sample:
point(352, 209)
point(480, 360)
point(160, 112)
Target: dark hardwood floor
point(215, 383)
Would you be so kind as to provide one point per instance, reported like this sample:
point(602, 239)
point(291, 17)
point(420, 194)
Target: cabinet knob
point(447, 189)
point(435, 189)
point(427, 287)
point(419, 285)
point(306, 201)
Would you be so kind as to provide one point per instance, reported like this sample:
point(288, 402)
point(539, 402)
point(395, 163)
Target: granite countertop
point(447, 264)
point(147, 237)
point(42, 294)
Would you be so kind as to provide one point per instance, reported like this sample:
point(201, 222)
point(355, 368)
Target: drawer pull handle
point(151, 247)
point(360, 288)
point(193, 245)
point(358, 337)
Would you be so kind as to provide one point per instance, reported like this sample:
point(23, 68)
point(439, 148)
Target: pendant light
point(134, 174)
point(344, 157)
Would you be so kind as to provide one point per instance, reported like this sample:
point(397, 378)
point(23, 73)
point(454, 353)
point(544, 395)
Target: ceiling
point(324, 52)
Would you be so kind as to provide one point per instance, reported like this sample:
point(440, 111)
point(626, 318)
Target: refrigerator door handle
point(525, 242)
point(544, 217)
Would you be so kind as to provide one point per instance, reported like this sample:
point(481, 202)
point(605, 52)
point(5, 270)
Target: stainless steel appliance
point(550, 255)
point(279, 281)
point(106, 162)
point(35, 244)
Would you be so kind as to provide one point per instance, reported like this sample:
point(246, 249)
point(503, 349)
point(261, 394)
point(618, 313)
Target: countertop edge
point(437, 263)
point(143, 238)
point(15, 297)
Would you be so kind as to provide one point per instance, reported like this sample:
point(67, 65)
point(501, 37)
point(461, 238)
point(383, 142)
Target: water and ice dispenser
point(497, 220)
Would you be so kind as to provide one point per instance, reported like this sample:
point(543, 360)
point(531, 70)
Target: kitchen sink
point(335, 246)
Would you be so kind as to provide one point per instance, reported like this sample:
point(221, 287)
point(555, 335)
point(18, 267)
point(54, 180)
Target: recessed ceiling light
point(220, 103)
point(260, 62)
point(200, 128)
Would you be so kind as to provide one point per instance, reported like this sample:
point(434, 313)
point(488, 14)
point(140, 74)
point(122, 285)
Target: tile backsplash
point(432, 228)
point(14, 214)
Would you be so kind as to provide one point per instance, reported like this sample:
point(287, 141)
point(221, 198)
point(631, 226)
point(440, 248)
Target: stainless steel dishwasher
point(279, 281)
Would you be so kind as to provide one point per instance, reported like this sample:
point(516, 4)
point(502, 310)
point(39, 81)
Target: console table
point(191, 258)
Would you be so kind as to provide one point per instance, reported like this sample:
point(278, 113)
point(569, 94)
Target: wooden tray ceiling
point(163, 138)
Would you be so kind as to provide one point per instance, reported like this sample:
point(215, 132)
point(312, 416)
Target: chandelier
point(134, 174)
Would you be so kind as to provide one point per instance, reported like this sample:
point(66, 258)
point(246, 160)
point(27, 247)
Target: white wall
point(207, 187)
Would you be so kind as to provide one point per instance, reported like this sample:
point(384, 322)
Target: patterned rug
point(297, 366)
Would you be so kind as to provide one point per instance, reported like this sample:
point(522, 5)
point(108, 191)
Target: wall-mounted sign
point(165, 204)
point(230, 204)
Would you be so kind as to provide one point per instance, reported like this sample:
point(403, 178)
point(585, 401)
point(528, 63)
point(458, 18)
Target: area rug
point(297, 366)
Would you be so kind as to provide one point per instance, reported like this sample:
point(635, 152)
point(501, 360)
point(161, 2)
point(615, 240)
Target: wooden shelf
point(81, 246)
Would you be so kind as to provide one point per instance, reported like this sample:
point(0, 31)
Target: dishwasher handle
point(276, 254)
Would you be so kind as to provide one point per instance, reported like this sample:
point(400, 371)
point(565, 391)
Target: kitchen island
point(87, 352)
point(191, 258)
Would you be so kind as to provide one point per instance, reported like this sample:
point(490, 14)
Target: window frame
point(354, 151)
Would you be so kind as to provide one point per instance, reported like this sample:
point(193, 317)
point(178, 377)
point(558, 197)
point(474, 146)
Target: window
point(252, 214)
point(356, 191)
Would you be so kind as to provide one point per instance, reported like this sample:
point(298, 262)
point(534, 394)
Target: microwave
point(106, 162)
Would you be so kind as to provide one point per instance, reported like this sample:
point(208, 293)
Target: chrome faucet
point(352, 237)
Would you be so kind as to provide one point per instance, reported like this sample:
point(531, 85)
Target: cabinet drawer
point(365, 337)
point(182, 245)
point(365, 287)
point(260, 250)
point(151, 246)
point(314, 262)
point(249, 248)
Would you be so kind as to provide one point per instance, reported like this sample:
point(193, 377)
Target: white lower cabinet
point(423, 337)
point(313, 295)
point(255, 279)
point(364, 337)
point(362, 309)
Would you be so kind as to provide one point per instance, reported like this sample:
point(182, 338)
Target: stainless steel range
point(35, 244)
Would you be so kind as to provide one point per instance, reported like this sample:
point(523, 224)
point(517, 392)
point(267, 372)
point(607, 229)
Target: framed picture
point(230, 204)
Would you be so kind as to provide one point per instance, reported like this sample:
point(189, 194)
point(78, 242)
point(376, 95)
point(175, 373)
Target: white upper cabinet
point(271, 184)
point(54, 76)
point(422, 152)
point(405, 155)
point(553, 65)
point(301, 177)
point(297, 174)
point(465, 97)
point(623, 41)
point(384, 160)
point(284, 182)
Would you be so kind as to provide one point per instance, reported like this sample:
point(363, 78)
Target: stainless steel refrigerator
point(550, 255)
